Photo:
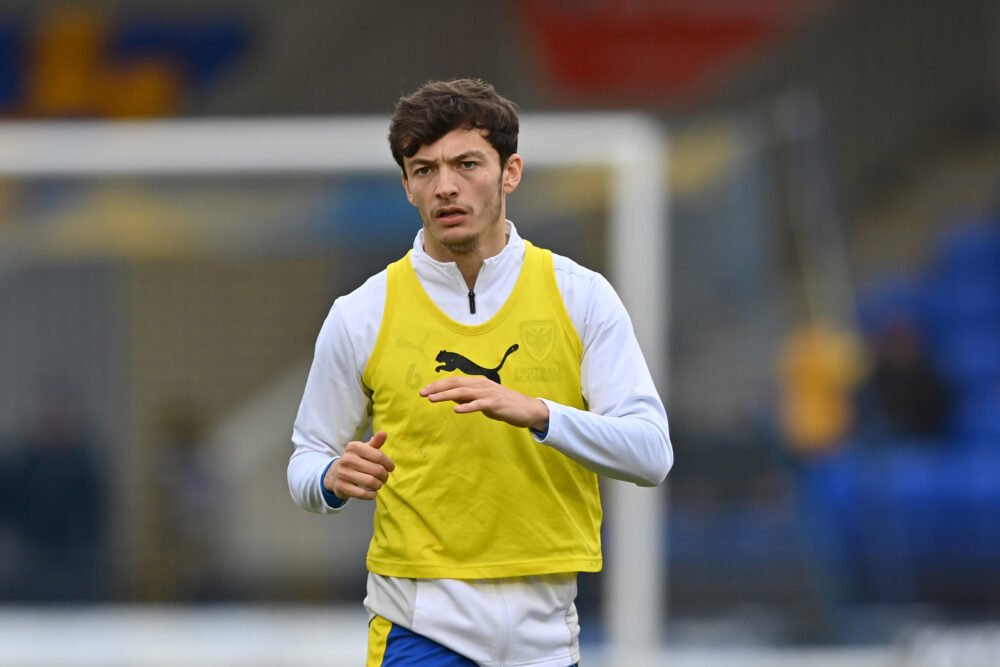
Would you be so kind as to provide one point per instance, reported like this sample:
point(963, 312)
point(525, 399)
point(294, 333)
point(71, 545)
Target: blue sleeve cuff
point(329, 497)
point(541, 435)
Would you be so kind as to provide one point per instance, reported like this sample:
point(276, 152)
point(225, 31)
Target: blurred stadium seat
point(916, 520)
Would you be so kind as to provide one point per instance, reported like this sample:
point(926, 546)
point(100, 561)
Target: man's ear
point(406, 186)
point(512, 173)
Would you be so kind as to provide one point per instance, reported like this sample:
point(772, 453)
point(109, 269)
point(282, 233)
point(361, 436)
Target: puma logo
point(403, 343)
point(453, 361)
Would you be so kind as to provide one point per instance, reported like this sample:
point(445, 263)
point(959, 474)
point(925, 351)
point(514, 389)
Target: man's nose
point(447, 183)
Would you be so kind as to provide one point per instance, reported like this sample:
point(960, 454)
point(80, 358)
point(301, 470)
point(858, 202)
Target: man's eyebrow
point(480, 155)
point(467, 154)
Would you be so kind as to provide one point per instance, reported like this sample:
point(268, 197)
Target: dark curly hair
point(438, 107)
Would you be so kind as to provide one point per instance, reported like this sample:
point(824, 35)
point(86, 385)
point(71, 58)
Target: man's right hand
point(361, 471)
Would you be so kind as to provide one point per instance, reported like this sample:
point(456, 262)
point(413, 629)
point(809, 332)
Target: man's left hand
point(478, 394)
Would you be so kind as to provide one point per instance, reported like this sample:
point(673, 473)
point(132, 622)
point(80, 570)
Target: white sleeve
point(334, 410)
point(624, 435)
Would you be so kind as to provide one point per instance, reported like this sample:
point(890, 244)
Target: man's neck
point(470, 262)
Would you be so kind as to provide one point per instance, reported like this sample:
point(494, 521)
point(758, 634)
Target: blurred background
point(834, 354)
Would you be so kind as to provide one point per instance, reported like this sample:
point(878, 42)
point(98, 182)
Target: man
point(500, 380)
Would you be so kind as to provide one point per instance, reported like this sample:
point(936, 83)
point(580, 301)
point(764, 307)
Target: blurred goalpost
point(632, 147)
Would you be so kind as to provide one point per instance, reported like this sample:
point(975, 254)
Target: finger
point(353, 478)
point(362, 450)
point(432, 388)
point(471, 406)
point(375, 457)
point(448, 383)
point(373, 468)
point(459, 395)
point(346, 490)
point(346, 482)
point(376, 442)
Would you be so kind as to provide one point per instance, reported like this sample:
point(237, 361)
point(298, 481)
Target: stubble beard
point(471, 243)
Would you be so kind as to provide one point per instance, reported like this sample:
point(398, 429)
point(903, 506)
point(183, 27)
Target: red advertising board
point(629, 51)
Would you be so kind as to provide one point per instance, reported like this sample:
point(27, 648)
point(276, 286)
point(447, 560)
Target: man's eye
point(469, 164)
point(421, 171)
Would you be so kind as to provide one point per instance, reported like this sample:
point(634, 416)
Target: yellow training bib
point(472, 497)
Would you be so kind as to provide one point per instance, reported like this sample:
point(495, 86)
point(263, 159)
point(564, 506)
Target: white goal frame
point(633, 147)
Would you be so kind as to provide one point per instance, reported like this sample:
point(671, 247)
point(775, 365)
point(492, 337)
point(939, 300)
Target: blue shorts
point(394, 646)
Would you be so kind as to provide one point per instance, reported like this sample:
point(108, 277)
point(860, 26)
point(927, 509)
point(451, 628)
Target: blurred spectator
point(820, 368)
point(56, 507)
point(907, 397)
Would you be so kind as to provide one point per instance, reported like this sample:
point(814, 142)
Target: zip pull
point(472, 302)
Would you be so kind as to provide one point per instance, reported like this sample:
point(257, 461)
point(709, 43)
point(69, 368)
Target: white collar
point(430, 269)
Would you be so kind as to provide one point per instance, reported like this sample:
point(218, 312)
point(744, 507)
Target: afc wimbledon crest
point(539, 336)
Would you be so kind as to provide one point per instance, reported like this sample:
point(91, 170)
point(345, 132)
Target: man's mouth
point(450, 213)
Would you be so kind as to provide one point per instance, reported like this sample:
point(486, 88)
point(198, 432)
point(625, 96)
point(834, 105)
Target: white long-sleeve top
point(623, 435)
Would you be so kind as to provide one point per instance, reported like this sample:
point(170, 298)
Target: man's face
point(459, 186)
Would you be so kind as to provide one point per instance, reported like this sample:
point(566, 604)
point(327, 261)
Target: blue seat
point(905, 518)
point(970, 359)
point(968, 250)
point(951, 304)
point(976, 418)
point(212, 45)
point(142, 37)
point(202, 47)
